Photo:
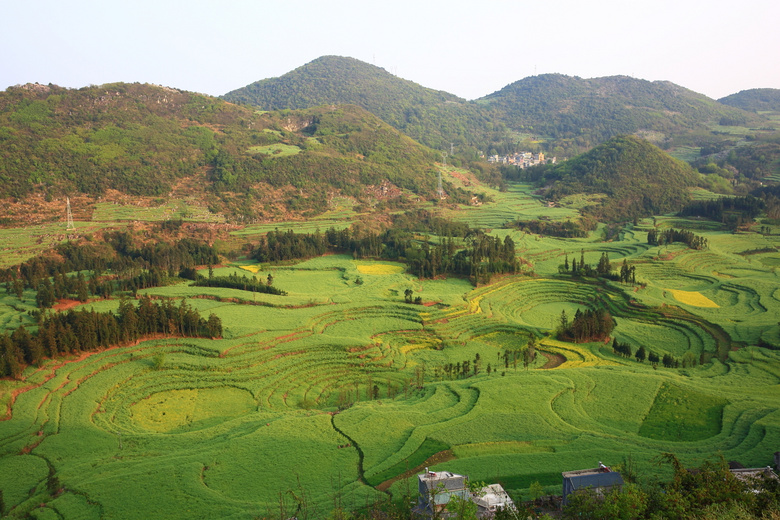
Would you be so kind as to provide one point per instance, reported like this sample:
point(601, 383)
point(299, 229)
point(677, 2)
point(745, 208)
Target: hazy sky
point(468, 48)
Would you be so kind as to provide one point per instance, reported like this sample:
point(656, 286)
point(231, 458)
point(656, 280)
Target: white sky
point(468, 48)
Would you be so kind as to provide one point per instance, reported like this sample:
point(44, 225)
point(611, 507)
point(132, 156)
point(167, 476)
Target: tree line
point(667, 360)
point(243, 283)
point(668, 236)
point(84, 330)
point(603, 269)
point(748, 206)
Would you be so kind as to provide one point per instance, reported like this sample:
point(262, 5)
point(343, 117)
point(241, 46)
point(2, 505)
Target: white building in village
point(438, 487)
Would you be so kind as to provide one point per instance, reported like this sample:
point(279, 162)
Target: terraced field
point(339, 388)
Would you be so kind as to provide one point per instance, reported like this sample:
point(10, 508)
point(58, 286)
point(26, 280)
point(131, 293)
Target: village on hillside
point(521, 159)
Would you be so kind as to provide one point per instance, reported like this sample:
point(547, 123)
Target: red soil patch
point(553, 360)
point(436, 458)
point(65, 304)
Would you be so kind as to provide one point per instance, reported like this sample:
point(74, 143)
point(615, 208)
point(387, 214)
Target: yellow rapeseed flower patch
point(254, 269)
point(379, 269)
point(575, 355)
point(413, 346)
point(693, 298)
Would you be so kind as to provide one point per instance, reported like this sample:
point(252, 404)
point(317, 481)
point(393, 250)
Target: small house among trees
point(599, 480)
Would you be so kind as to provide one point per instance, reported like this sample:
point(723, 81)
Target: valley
point(288, 301)
point(323, 397)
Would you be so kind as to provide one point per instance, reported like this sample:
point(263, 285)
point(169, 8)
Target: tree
point(158, 361)
point(653, 358)
point(629, 503)
point(214, 326)
point(408, 295)
point(564, 320)
point(641, 354)
point(536, 490)
point(461, 508)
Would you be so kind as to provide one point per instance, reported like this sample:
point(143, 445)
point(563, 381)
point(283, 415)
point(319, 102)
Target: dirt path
point(436, 458)
point(553, 360)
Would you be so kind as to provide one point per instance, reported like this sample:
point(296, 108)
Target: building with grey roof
point(600, 480)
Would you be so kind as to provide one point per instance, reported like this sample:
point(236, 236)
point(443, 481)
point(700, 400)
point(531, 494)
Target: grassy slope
point(152, 141)
point(277, 370)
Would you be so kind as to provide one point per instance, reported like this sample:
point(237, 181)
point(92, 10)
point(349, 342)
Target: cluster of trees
point(753, 162)
point(482, 257)
point(409, 297)
point(114, 264)
point(565, 229)
point(603, 269)
point(725, 209)
point(487, 256)
point(243, 283)
point(668, 236)
point(591, 325)
point(622, 349)
point(82, 331)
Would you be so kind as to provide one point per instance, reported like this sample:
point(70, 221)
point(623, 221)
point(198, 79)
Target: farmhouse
point(600, 480)
point(491, 499)
point(436, 488)
point(749, 476)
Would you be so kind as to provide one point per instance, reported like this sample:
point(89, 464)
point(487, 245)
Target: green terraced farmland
point(339, 388)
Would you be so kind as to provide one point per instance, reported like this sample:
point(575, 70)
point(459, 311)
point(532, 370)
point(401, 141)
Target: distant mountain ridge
point(597, 109)
point(755, 99)
point(577, 113)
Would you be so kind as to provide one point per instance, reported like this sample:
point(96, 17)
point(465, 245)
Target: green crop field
point(338, 389)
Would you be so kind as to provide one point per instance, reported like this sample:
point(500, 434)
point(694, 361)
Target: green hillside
point(569, 114)
point(432, 117)
point(754, 99)
point(143, 139)
point(588, 111)
point(638, 178)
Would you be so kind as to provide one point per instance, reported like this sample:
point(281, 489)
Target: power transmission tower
point(439, 188)
point(69, 217)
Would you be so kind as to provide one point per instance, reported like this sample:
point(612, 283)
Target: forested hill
point(141, 139)
point(638, 178)
point(576, 113)
point(589, 111)
point(432, 117)
point(755, 99)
